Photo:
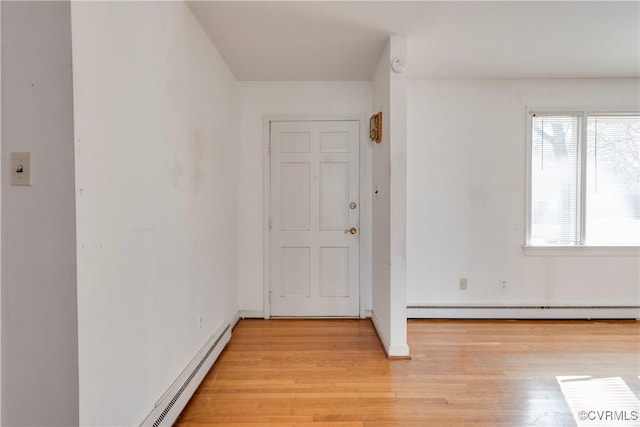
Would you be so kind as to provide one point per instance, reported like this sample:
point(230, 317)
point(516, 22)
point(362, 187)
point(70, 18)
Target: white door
point(314, 211)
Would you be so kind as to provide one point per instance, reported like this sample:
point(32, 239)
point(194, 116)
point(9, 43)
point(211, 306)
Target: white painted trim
point(251, 314)
point(528, 170)
point(582, 251)
point(582, 191)
point(366, 225)
point(234, 320)
point(317, 317)
point(224, 334)
point(588, 109)
point(366, 164)
point(416, 311)
point(384, 339)
point(1, 222)
point(313, 118)
point(399, 351)
point(266, 183)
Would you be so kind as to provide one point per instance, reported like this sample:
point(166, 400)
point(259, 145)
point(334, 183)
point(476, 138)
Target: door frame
point(365, 166)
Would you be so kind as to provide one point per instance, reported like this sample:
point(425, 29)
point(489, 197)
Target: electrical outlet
point(502, 285)
point(463, 284)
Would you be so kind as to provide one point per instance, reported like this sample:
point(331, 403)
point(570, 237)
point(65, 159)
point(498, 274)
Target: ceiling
point(339, 40)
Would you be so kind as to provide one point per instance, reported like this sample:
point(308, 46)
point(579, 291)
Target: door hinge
point(270, 223)
point(269, 297)
point(269, 147)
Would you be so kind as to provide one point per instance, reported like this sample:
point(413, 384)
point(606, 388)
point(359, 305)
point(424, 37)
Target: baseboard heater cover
point(524, 311)
point(158, 416)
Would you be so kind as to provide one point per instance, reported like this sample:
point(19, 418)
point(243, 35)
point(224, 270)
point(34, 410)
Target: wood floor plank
point(462, 373)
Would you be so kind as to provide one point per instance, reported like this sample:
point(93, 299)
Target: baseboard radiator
point(418, 311)
point(168, 408)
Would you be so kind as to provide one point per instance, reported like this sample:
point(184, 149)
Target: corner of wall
point(1, 217)
point(398, 196)
point(389, 202)
point(38, 221)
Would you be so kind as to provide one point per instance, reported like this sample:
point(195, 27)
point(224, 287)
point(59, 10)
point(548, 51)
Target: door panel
point(296, 142)
point(334, 272)
point(334, 196)
point(334, 142)
point(295, 271)
point(295, 179)
point(314, 179)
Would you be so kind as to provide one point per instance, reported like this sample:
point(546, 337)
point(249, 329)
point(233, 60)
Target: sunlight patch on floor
point(600, 401)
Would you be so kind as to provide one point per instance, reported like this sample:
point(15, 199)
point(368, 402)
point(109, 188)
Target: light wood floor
point(462, 373)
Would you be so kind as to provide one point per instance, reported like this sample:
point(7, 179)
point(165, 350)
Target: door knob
point(351, 230)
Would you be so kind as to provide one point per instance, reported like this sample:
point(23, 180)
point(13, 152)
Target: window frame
point(580, 249)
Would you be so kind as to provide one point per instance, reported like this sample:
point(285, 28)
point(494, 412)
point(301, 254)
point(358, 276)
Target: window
point(584, 179)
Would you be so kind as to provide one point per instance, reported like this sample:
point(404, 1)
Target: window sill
point(611, 251)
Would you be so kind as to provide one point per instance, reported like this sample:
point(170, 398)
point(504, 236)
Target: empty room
point(329, 213)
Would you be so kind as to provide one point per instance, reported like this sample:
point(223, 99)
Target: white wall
point(39, 325)
point(0, 219)
point(257, 100)
point(156, 155)
point(398, 200)
point(466, 197)
point(380, 212)
point(389, 203)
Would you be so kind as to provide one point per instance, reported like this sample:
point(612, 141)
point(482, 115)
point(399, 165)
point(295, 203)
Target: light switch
point(20, 168)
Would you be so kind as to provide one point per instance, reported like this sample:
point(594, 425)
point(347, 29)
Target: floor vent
point(188, 380)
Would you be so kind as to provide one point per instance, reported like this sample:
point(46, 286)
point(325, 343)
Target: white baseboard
point(417, 311)
point(392, 351)
point(234, 320)
point(382, 336)
point(174, 400)
point(259, 314)
point(399, 351)
point(251, 314)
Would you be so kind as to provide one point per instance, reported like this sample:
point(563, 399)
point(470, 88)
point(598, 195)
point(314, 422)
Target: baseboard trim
point(393, 352)
point(380, 334)
point(234, 320)
point(251, 314)
point(259, 314)
point(174, 400)
point(417, 311)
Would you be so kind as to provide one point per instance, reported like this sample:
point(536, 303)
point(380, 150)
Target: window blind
point(555, 180)
point(613, 180)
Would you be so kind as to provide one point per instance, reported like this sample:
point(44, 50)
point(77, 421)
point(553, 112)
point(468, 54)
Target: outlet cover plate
point(20, 168)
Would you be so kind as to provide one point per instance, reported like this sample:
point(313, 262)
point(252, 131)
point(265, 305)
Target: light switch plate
point(20, 169)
